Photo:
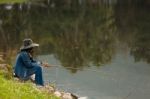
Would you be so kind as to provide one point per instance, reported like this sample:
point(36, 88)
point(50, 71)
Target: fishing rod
point(68, 67)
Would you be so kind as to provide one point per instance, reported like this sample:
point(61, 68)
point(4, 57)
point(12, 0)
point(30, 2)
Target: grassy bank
point(10, 89)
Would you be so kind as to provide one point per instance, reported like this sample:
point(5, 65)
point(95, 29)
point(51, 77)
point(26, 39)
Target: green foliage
point(15, 90)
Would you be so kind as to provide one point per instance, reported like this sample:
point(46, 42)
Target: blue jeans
point(37, 70)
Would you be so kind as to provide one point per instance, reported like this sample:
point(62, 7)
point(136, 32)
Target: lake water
point(120, 79)
point(98, 48)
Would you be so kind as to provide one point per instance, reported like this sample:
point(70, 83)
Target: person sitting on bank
point(25, 64)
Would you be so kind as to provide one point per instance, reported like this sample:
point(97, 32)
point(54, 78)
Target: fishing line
point(68, 67)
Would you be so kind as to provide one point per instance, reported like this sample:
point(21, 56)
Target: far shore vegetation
point(11, 1)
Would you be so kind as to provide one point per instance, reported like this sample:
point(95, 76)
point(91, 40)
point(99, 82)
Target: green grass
point(10, 89)
point(12, 1)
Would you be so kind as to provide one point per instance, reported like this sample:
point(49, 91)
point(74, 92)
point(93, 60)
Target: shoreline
point(7, 72)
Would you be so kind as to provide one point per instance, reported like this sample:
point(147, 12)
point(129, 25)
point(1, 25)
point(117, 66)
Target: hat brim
point(30, 46)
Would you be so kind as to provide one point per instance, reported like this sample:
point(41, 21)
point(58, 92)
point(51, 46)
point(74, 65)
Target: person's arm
point(27, 61)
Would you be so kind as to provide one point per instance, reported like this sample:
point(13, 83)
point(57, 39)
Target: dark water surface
point(105, 44)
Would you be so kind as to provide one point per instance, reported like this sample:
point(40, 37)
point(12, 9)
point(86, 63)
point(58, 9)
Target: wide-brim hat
point(28, 43)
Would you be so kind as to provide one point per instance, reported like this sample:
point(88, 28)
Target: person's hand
point(45, 64)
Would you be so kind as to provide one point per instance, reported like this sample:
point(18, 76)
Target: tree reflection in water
point(78, 33)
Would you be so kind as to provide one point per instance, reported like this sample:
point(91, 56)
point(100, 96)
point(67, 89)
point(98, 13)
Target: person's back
point(20, 69)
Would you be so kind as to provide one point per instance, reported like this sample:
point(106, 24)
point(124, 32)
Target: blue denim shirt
point(23, 64)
